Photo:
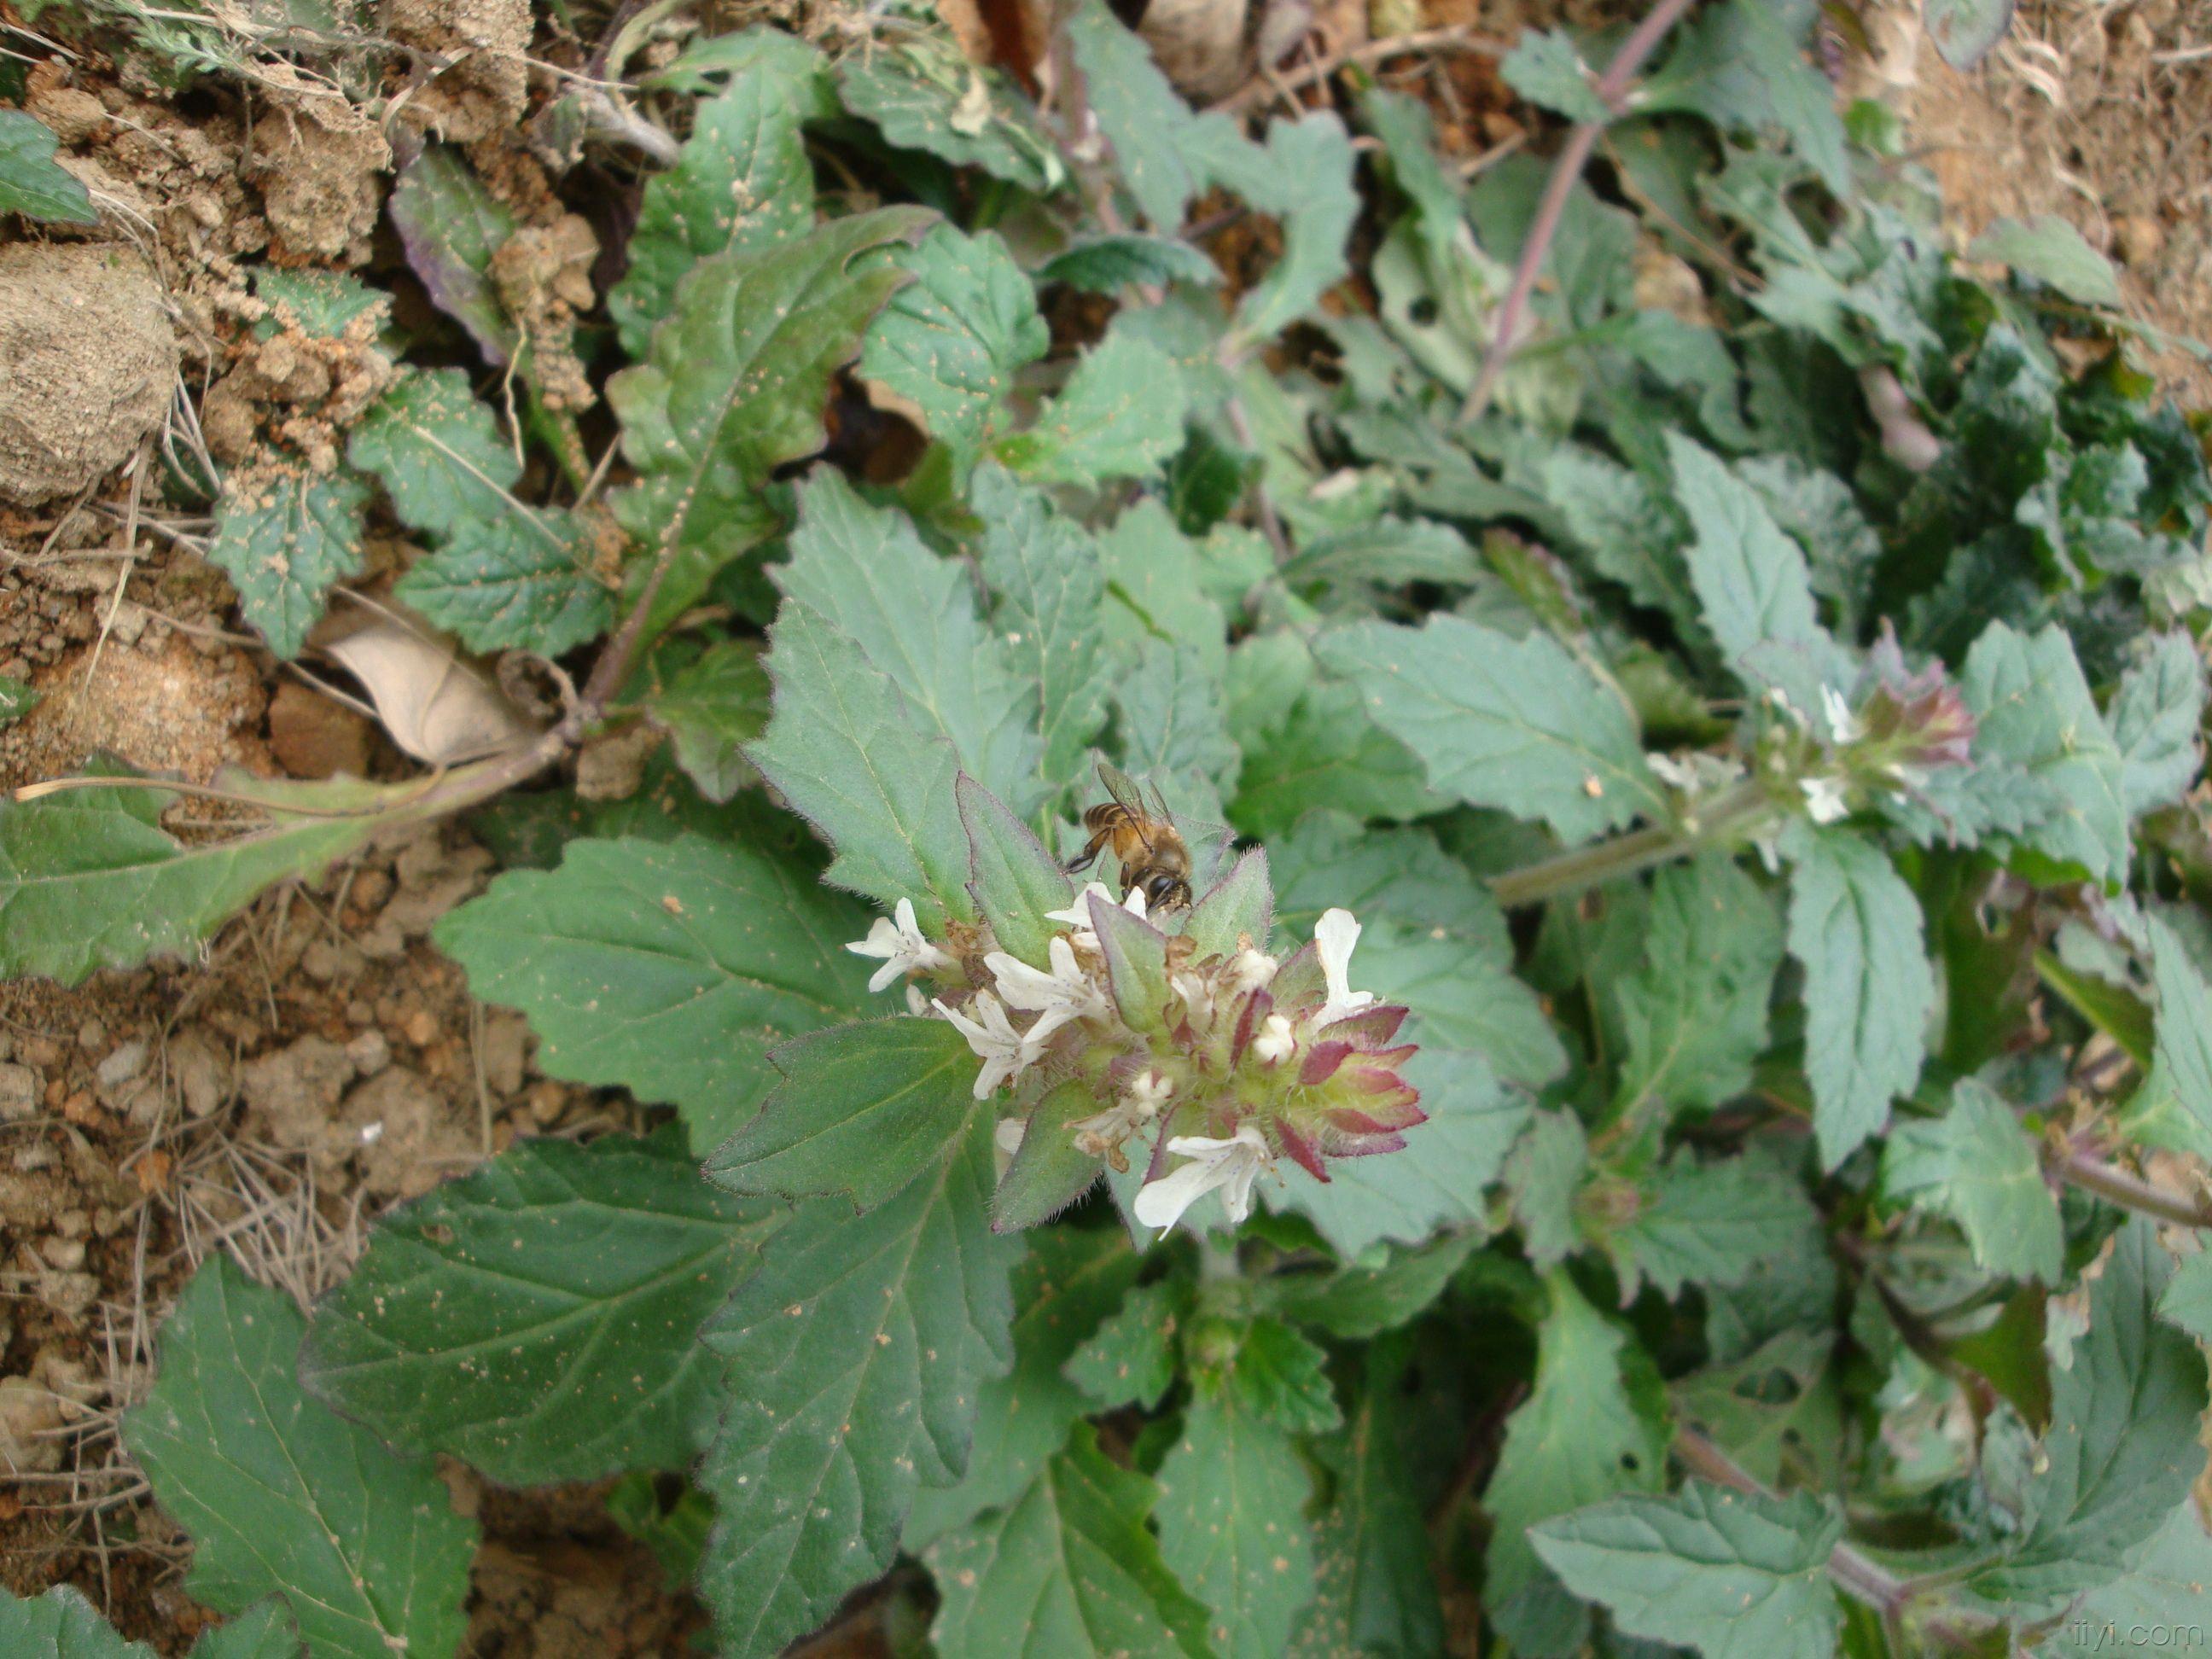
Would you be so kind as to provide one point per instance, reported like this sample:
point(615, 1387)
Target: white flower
point(1077, 917)
point(1068, 990)
point(1007, 1134)
point(1004, 1052)
point(1276, 1042)
point(1230, 1164)
point(916, 1004)
point(902, 947)
point(1100, 1134)
point(1825, 800)
point(1197, 995)
point(1334, 936)
point(1671, 772)
point(1844, 726)
point(1249, 970)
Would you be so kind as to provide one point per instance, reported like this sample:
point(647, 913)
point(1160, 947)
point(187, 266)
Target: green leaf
point(1119, 415)
point(265, 1631)
point(1588, 1429)
point(857, 1355)
point(1819, 512)
point(1046, 574)
point(451, 226)
point(1382, 1290)
point(1408, 135)
point(741, 182)
point(1130, 1359)
point(1734, 1574)
point(1628, 531)
point(438, 451)
point(2160, 1597)
point(2121, 1452)
point(2155, 718)
point(1516, 724)
point(849, 755)
point(735, 388)
point(711, 708)
point(860, 1109)
point(32, 182)
point(1048, 1172)
point(1695, 1011)
point(1545, 1176)
point(1109, 262)
point(324, 305)
point(1437, 1179)
point(1776, 1410)
point(1269, 1372)
point(1171, 715)
point(950, 342)
point(520, 581)
point(2038, 727)
point(62, 1624)
point(2049, 249)
point(668, 969)
point(536, 1317)
point(1135, 954)
point(923, 94)
point(1240, 903)
point(1375, 1596)
point(1800, 97)
point(2183, 1051)
point(1069, 1567)
point(1153, 134)
point(865, 572)
point(1233, 1495)
point(1464, 997)
point(283, 543)
point(1317, 748)
point(783, 56)
point(1156, 590)
point(1751, 582)
point(282, 1496)
point(1016, 883)
point(1069, 1281)
point(16, 699)
point(1976, 1164)
point(88, 879)
point(1544, 68)
point(1856, 927)
point(1708, 1223)
point(1965, 30)
point(2187, 1299)
point(1317, 212)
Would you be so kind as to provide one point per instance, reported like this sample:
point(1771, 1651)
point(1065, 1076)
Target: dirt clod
point(87, 364)
point(317, 164)
point(480, 88)
point(313, 737)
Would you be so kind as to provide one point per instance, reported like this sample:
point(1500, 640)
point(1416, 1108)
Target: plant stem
point(1857, 1574)
point(2130, 1192)
point(1625, 855)
point(1613, 88)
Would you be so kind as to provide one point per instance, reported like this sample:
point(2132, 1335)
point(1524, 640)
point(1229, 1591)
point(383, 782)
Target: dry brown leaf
point(438, 707)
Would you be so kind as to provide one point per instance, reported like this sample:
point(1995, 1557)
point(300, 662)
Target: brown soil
point(87, 363)
point(2099, 111)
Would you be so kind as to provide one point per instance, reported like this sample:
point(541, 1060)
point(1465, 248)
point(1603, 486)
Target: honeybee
point(1152, 851)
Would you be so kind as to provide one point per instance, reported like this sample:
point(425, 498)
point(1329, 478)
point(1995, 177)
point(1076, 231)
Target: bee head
point(1164, 888)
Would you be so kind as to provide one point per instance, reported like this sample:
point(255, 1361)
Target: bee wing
point(1130, 798)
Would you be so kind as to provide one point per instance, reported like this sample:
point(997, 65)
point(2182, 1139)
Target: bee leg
point(1088, 855)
